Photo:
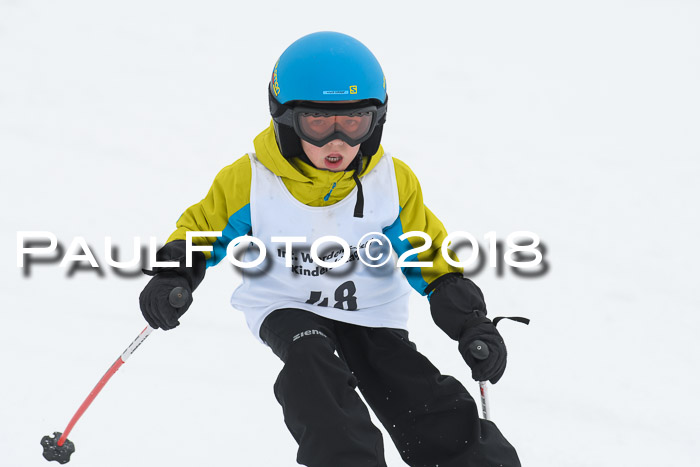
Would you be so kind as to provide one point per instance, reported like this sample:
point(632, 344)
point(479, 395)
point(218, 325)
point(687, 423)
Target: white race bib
point(354, 292)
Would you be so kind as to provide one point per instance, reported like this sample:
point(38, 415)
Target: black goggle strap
point(340, 111)
point(277, 109)
point(286, 114)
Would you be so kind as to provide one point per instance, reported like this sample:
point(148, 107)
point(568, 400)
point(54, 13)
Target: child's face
point(335, 156)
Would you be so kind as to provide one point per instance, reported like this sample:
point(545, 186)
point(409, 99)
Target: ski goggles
point(319, 125)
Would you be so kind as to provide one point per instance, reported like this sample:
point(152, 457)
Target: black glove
point(155, 297)
point(155, 304)
point(458, 308)
point(481, 328)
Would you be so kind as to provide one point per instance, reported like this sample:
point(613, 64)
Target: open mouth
point(333, 161)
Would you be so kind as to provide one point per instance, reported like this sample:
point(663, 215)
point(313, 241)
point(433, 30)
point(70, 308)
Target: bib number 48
point(344, 295)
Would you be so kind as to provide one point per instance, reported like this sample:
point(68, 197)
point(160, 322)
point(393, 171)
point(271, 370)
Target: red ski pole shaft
point(178, 298)
point(101, 383)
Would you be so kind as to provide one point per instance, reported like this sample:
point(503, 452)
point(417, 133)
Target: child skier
point(319, 170)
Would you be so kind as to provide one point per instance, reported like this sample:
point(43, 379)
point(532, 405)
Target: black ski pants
point(431, 418)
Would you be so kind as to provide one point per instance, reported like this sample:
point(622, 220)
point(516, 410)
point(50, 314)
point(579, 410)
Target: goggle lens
point(318, 126)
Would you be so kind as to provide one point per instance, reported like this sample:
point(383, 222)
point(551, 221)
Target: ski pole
point(480, 351)
point(58, 447)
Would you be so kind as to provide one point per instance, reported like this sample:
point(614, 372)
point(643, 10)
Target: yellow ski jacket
point(226, 207)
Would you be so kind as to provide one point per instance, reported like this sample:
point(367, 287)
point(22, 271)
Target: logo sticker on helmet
point(336, 92)
point(353, 89)
point(275, 84)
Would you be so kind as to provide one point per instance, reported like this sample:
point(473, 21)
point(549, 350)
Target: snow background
point(576, 120)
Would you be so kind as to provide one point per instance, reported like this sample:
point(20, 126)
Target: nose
point(337, 142)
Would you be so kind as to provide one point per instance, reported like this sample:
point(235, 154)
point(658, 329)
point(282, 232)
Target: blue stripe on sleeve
point(238, 224)
point(413, 275)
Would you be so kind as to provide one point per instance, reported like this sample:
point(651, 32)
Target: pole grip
point(479, 350)
point(178, 297)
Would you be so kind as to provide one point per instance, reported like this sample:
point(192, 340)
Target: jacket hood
point(308, 184)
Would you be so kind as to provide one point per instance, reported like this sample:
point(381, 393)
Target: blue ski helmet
point(325, 67)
